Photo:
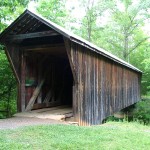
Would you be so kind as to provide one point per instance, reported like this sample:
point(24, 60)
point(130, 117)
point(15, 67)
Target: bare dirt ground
point(15, 122)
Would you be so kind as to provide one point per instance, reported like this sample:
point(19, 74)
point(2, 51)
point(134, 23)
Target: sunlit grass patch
point(109, 136)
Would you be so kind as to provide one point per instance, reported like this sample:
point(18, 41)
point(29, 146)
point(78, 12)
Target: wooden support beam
point(7, 52)
point(48, 97)
point(31, 35)
point(68, 50)
point(60, 49)
point(44, 46)
point(34, 96)
point(39, 99)
point(22, 86)
point(44, 105)
point(29, 26)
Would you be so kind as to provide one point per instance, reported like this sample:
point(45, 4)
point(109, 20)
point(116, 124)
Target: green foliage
point(10, 9)
point(122, 33)
point(142, 111)
point(89, 28)
point(112, 119)
point(140, 59)
point(53, 10)
point(8, 109)
point(146, 74)
point(88, 22)
point(139, 112)
point(6, 76)
point(7, 86)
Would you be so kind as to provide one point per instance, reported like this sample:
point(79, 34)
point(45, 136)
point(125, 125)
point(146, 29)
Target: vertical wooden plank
point(92, 87)
point(75, 61)
point(69, 50)
point(99, 90)
point(94, 91)
point(110, 89)
point(124, 87)
point(72, 56)
point(18, 97)
point(86, 87)
point(23, 68)
point(84, 107)
point(102, 91)
point(39, 99)
point(80, 102)
point(97, 94)
point(13, 54)
point(102, 86)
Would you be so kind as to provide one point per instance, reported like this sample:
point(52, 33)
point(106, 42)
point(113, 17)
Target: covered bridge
point(54, 67)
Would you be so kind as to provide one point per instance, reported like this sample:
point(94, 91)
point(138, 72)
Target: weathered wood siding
point(57, 77)
point(103, 86)
point(14, 56)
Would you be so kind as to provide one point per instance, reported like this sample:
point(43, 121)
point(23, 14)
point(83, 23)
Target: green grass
point(110, 136)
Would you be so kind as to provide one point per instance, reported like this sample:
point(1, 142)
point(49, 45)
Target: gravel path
point(15, 122)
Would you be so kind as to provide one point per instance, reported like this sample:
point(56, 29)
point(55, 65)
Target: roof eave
point(105, 55)
point(4, 33)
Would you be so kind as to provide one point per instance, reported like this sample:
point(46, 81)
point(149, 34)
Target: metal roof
point(32, 21)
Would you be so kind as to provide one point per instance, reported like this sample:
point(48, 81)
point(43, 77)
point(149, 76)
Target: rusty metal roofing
point(29, 21)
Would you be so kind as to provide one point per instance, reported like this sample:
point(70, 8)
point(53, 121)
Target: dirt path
point(16, 122)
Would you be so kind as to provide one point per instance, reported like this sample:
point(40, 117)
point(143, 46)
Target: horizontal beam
point(43, 46)
point(31, 35)
point(44, 105)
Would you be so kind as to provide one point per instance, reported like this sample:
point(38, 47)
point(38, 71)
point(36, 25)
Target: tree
point(7, 84)
point(88, 23)
point(9, 10)
point(53, 10)
point(140, 59)
point(93, 10)
point(122, 34)
point(122, 31)
point(146, 73)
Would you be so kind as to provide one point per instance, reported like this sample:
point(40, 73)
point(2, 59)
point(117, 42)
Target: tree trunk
point(126, 47)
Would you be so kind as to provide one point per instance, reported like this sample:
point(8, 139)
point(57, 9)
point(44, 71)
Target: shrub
point(142, 111)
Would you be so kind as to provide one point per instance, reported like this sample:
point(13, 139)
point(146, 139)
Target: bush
point(139, 112)
point(8, 109)
point(142, 111)
point(2, 116)
point(7, 88)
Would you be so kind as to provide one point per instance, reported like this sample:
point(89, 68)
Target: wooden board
point(34, 96)
point(55, 113)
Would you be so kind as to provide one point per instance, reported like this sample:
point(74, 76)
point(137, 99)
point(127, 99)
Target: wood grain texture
point(103, 86)
point(98, 85)
point(98, 82)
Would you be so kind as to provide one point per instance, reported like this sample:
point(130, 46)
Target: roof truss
point(31, 35)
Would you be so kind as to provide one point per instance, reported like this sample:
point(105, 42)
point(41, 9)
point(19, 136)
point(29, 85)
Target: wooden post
point(23, 68)
point(40, 65)
point(39, 99)
point(68, 50)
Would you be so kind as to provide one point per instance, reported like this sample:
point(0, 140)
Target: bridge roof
point(29, 21)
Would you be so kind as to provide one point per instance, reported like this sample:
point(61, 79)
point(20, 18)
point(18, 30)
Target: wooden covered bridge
point(54, 67)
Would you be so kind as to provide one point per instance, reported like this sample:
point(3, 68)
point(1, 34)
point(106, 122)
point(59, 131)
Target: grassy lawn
point(110, 136)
